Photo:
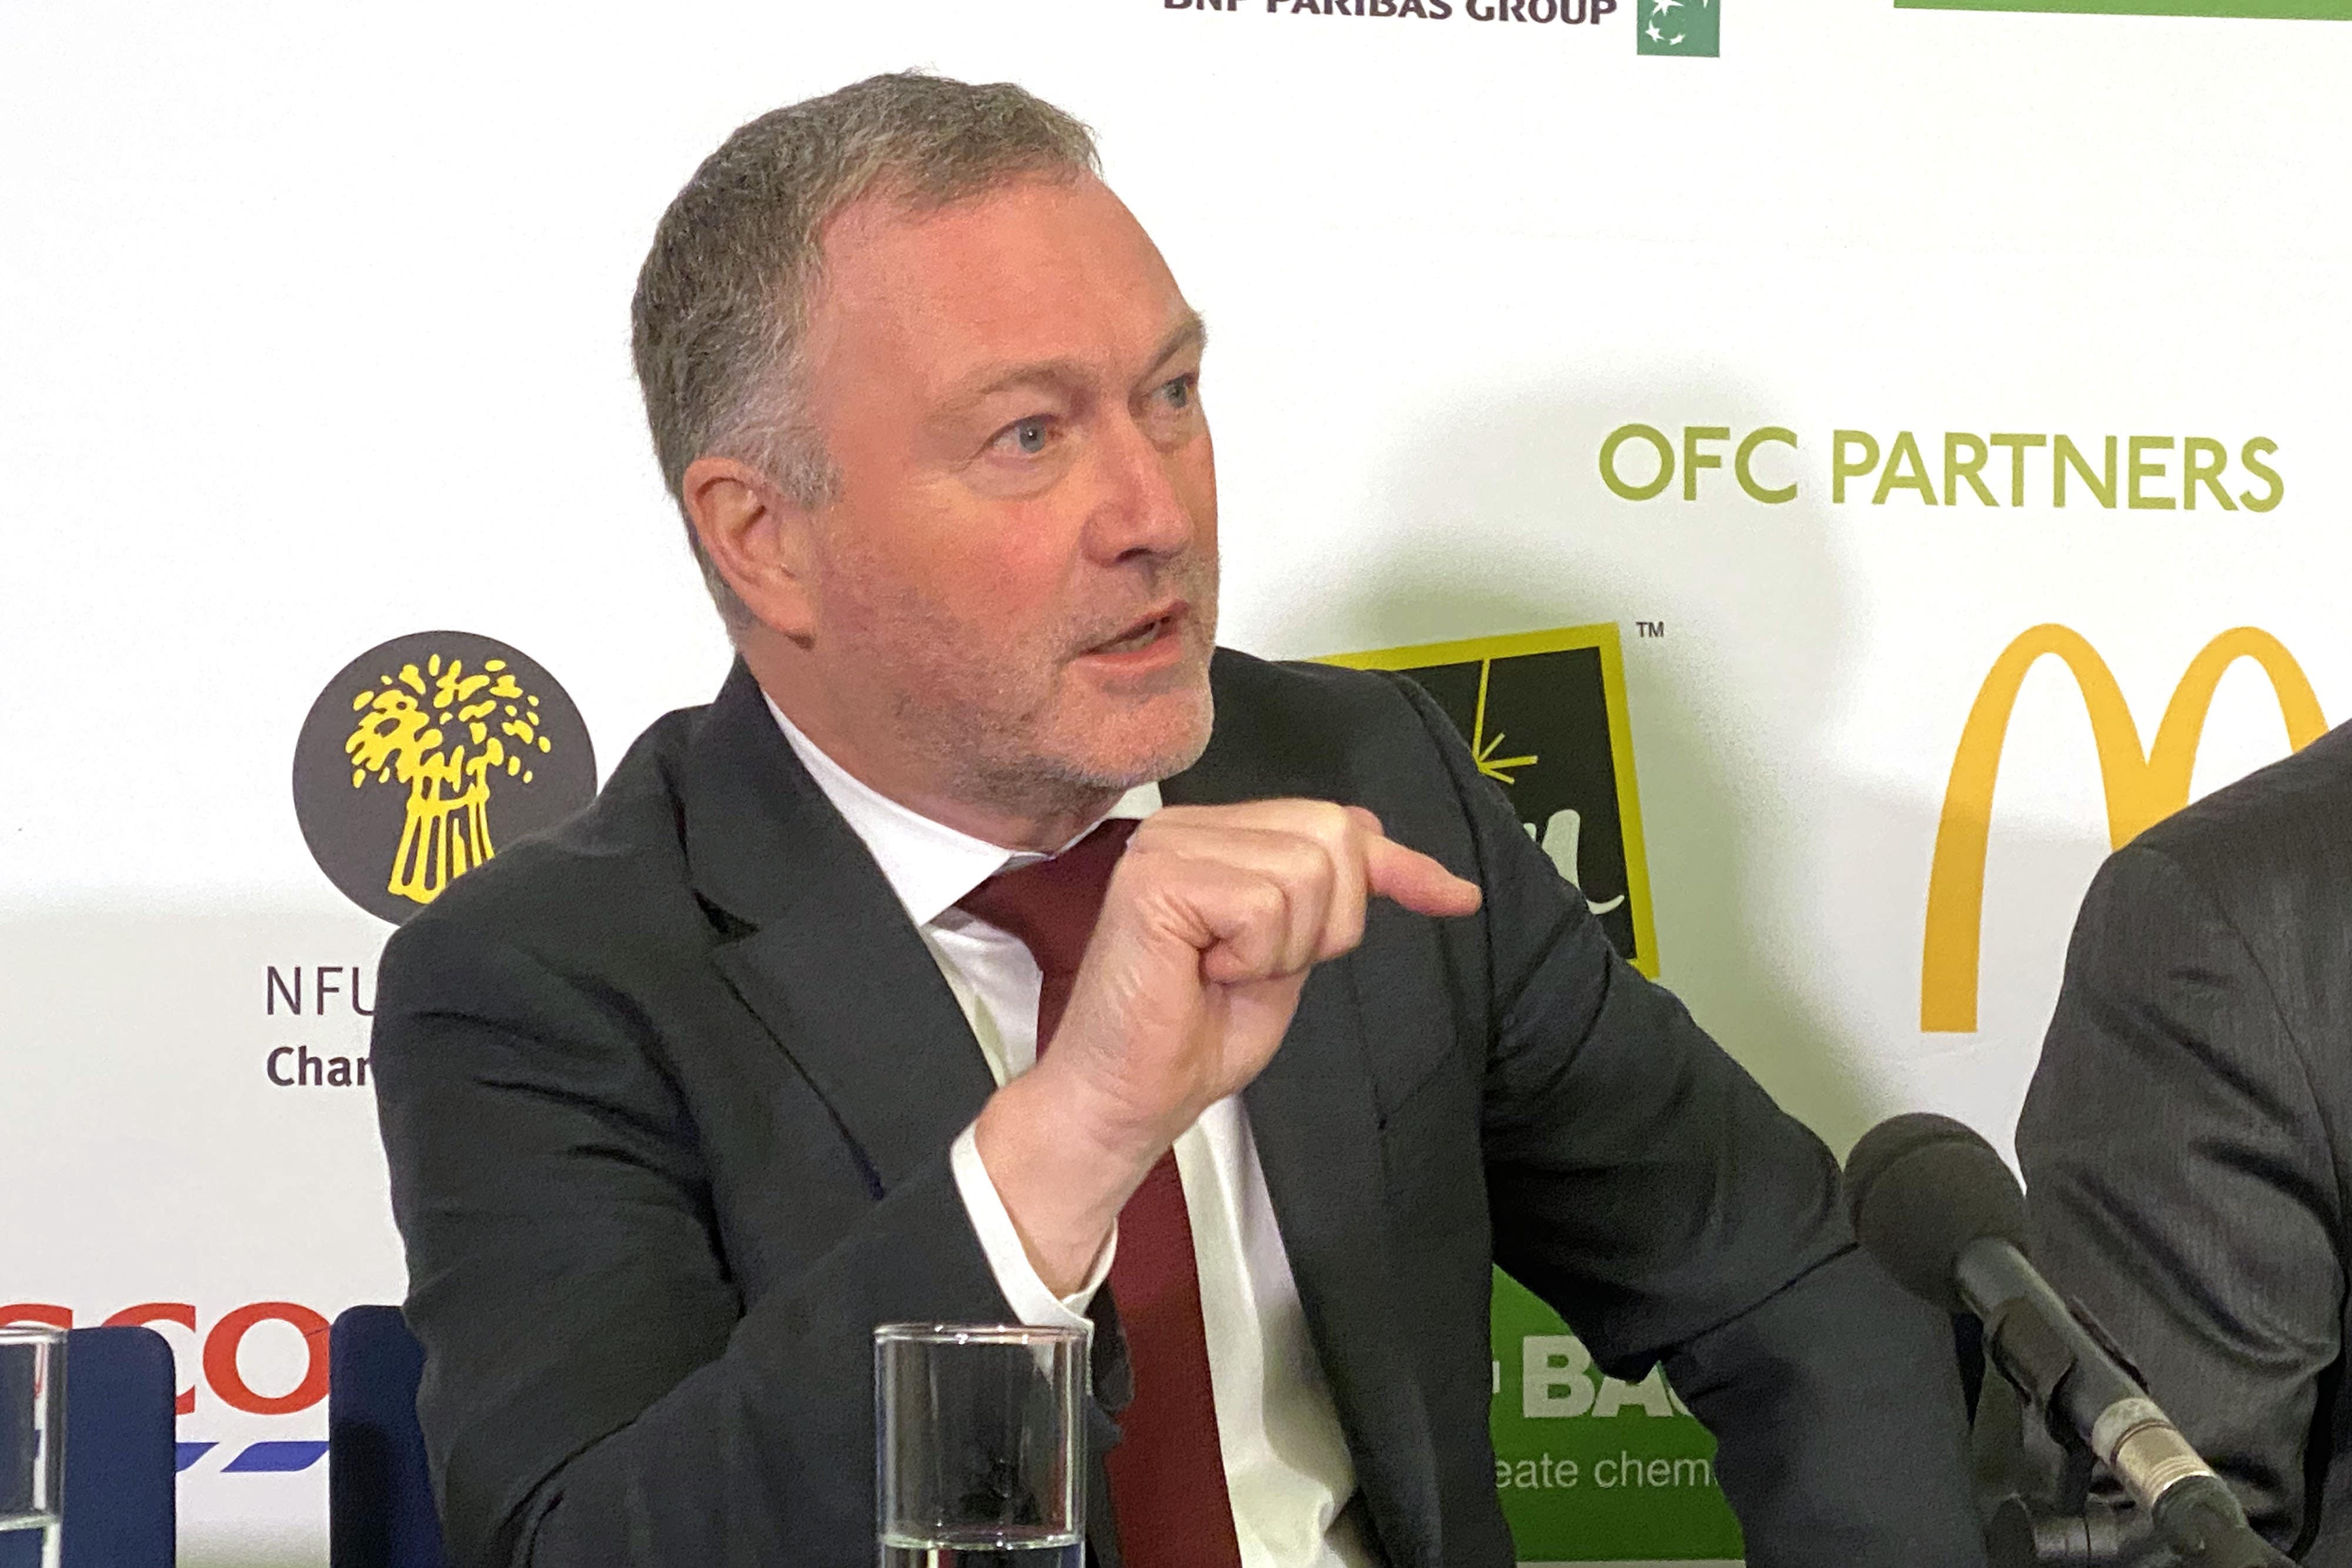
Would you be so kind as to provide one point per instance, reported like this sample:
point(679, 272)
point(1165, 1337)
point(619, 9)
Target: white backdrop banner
point(1808, 449)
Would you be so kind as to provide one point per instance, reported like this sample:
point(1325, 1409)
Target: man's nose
point(1141, 505)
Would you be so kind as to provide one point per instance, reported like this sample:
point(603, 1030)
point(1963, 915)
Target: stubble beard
point(1002, 741)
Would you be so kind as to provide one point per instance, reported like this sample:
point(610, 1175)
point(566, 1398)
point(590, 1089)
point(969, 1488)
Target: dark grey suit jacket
point(668, 1097)
point(2188, 1138)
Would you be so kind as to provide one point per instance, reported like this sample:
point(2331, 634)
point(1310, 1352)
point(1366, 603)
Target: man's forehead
point(1042, 270)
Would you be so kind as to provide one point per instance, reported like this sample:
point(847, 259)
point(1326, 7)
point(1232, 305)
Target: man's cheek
point(1011, 589)
point(1199, 487)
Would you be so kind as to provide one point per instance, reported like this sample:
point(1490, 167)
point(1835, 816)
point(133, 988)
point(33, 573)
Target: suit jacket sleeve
point(1648, 1189)
point(596, 1391)
point(2179, 1181)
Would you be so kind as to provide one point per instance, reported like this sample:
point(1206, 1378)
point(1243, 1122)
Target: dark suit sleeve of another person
point(1647, 1188)
point(2180, 1181)
point(597, 1393)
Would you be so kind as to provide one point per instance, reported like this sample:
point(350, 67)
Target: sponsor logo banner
point(424, 754)
point(260, 1370)
point(1544, 713)
point(1574, 13)
point(1679, 27)
point(1591, 1468)
point(2142, 786)
point(2259, 10)
point(1985, 468)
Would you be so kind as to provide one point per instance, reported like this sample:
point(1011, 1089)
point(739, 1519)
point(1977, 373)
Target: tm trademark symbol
point(1650, 628)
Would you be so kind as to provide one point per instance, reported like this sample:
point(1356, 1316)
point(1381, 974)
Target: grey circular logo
point(426, 754)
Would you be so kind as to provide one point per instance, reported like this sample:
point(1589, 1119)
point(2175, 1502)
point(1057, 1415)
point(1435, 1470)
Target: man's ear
point(757, 537)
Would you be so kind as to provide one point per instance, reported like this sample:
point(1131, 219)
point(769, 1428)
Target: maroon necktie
point(1168, 1473)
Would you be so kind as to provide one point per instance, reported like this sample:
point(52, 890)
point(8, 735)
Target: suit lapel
point(1317, 1135)
point(828, 961)
point(1317, 1128)
point(826, 957)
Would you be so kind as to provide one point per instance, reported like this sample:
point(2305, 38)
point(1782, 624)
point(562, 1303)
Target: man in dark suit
point(685, 1098)
point(2185, 1141)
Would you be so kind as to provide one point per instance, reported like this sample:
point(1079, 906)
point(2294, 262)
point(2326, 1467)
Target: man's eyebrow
point(1191, 332)
point(987, 384)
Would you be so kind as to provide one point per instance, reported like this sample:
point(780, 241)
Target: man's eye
point(1031, 435)
point(1178, 392)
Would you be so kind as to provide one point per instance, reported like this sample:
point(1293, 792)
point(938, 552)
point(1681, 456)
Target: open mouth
point(1142, 634)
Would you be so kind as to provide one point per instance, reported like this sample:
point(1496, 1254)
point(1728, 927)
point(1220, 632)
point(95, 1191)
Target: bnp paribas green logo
point(1679, 27)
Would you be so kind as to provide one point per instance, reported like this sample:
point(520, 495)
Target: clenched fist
point(1210, 923)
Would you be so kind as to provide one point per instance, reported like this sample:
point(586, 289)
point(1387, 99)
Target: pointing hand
point(1211, 922)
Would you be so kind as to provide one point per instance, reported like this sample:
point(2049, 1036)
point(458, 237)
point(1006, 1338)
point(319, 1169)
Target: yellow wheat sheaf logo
point(425, 755)
point(2142, 786)
point(448, 734)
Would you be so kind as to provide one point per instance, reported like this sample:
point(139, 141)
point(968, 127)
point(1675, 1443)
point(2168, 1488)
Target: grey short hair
point(722, 300)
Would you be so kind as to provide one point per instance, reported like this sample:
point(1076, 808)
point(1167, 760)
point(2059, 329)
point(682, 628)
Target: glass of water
point(32, 1438)
point(978, 1459)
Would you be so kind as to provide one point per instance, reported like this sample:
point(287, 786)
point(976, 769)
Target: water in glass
point(987, 1549)
point(978, 1463)
point(32, 1444)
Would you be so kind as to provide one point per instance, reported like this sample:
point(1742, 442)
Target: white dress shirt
point(1286, 1465)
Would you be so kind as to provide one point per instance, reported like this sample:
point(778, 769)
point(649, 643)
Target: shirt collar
point(927, 864)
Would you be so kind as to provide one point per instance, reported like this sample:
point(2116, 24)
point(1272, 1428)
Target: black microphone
point(1941, 1212)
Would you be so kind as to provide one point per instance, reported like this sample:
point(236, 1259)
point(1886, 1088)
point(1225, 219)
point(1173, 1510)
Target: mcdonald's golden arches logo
point(2143, 787)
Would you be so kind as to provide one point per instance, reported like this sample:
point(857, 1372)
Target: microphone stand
point(2044, 1514)
point(1934, 1203)
point(2051, 1520)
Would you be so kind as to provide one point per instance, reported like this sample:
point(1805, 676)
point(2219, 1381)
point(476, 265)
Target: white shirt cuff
point(1033, 1302)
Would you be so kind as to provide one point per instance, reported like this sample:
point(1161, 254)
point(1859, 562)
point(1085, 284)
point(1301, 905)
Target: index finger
point(1416, 881)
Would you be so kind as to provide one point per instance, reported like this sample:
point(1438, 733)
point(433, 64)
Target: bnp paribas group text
point(1572, 12)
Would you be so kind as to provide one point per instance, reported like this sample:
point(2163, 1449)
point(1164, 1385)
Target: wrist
point(1061, 1170)
point(1101, 1128)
